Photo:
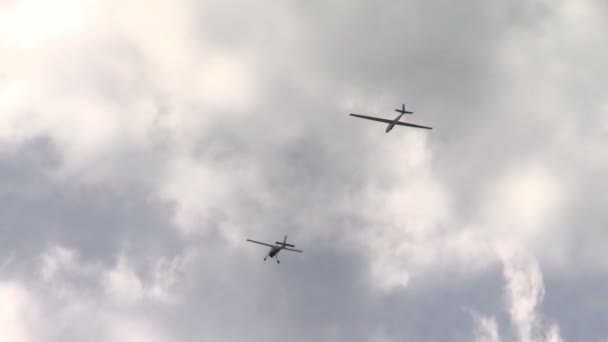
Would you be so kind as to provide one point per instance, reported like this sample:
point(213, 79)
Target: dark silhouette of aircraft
point(395, 121)
point(275, 249)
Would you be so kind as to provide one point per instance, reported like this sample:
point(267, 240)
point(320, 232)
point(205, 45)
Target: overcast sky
point(141, 143)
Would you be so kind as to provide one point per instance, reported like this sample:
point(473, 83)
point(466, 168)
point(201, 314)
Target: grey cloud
point(326, 295)
point(99, 221)
point(443, 60)
point(577, 302)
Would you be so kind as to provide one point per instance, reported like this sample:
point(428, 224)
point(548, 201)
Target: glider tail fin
point(402, 110)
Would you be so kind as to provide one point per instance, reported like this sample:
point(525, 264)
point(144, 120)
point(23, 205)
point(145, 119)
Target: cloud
point(142, 142)
point(124, 286)
point(525, 291)
point(486, 330)
point(16, 309)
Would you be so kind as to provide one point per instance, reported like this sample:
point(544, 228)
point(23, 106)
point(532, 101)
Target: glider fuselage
point(392, 124)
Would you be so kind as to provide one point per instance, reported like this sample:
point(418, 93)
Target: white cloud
point(15, 313)
point(55, 307)
point(521, 206)
point(95, 86)
point(553, 334)
point(32, 23)
point(126, 90)
point(200, 188)
point(524, 293)
point(486, 329)
point(405, 209)
point(133, 329)
point(56, 259)
point(125, 287)
point(122, 284)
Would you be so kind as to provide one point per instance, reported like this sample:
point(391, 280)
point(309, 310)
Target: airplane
point(275, 249)
point(392, 123)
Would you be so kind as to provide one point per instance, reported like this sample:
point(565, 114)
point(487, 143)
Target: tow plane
point(395, 121)
point(276, 248)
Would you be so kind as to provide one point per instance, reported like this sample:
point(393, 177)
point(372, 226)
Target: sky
point(142, 142)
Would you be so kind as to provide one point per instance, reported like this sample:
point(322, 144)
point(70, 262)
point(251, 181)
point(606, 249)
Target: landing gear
point(265, 258)
point(278, 262)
